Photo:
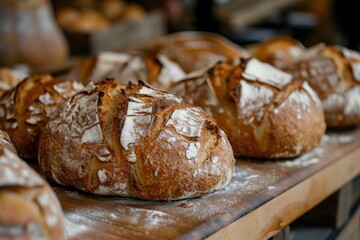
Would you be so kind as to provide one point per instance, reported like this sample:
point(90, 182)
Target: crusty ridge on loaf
point(133, 140)
point(264, 112)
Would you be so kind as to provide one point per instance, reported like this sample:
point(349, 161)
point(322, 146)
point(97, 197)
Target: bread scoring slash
point(133, 140)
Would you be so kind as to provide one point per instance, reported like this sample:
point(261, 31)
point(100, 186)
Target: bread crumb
point(186, 205)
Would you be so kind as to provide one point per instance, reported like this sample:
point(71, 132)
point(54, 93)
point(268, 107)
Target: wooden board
point(262, 198)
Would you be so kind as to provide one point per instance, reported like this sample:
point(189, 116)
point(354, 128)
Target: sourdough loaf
point(156, 70)
point(133, 140)
point(264, 111)
point(196, 51)
point(25, 109)
point(277, 51)
point(334, 73)
point(29, 208)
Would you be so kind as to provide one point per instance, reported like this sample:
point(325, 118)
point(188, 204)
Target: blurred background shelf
point(240, 14)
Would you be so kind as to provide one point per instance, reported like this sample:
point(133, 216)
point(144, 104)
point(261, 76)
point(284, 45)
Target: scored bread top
point(25, 109)
point(9, 78)
point(334, 73)
point(277, 51)
point(263, 110)
point(133, 140)
point(194, 51)
point(156, 70)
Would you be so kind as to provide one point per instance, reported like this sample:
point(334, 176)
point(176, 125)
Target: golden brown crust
point(25, 109)
point(156, 70)
point(29, 208)
point(197, 51)
point(163, 64)
point(277, 51)
point(9, 79)
point(334, 73)
point(263, 111)
point(133, 140)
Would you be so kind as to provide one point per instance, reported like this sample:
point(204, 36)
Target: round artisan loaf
point(334, 74)
point(196, 51)
point(25, 109)
point(156, 70)
point(29, 208)
point(277, 51)
point(263, 111)
point(9, 79)
point(133, 140)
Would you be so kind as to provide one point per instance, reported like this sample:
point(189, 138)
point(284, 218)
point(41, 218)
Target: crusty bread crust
point(195, 51)
point(334, 73)
point(263, 111)
point(162, 64)
point(156, 70)
point(133, 140)
point(25, 109)
point(277, 51)
point(9, 79)
point(29, 208)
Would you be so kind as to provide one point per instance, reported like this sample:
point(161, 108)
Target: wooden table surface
point(262, 198)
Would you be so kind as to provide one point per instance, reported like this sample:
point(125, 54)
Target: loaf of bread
point(334, 73)
point(197, 51)
point(29, 208)
point(264, 111)
point(277, 51)
point(133, 140)
point(9, 79)
point(25, 109)
point(157, 70)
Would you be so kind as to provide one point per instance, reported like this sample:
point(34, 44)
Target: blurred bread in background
point(90, 16)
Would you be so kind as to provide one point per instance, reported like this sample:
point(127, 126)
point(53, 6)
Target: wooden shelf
point(262, 198)
point(240, 14)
